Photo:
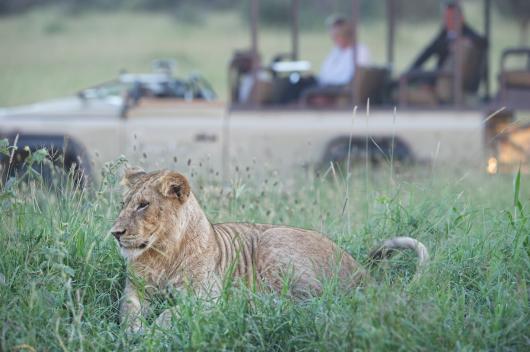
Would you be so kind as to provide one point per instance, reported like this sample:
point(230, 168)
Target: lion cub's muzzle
point(117, 233)
point(125, 239)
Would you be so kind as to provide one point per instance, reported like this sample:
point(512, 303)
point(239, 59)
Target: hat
point(451, 3)
point(334, 20)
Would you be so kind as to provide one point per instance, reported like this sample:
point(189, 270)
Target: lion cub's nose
point(117, 232)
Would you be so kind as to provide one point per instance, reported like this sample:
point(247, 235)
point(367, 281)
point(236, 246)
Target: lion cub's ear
point(174, 185)
point(132, 175)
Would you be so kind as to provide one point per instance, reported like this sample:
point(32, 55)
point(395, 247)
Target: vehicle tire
point(377, 151)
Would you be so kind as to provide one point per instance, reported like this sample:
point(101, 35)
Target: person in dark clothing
point(441, 46)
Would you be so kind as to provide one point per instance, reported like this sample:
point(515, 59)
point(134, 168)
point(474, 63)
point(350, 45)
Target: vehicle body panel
point(158, 132)
point(286, 138)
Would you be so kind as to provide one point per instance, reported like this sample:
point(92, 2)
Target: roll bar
point(390, 47)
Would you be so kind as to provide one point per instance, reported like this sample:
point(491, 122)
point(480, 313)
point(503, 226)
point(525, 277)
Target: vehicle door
point(176, 134)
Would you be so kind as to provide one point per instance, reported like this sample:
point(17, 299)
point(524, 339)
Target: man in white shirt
point(337, 68)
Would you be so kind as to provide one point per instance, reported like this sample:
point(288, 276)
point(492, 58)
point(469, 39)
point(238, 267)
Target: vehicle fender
point(64, 151)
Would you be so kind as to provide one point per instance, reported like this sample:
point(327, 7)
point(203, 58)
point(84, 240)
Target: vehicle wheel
point(377, 151)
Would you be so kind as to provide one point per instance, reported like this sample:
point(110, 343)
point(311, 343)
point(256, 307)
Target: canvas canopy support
point(390, 39)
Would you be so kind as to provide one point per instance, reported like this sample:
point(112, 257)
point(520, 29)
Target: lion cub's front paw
point(164, 319)
point(134, 328)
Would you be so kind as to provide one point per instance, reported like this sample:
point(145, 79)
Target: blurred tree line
point(273, 12)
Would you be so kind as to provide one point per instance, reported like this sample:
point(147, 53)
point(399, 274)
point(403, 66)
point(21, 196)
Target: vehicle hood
point(67, 106)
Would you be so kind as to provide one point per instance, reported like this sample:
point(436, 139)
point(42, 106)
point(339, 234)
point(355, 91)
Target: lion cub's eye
point(142, 205)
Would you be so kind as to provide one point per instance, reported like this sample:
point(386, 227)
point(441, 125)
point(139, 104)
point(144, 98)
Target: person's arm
point(430, 50)
point(364, 57)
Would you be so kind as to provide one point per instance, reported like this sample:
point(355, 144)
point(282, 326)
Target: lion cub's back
point(307, 256)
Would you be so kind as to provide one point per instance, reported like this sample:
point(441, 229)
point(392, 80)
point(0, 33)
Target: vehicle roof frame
point(390, 40)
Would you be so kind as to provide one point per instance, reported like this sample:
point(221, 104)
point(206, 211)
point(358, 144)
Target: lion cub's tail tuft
point(387, 248)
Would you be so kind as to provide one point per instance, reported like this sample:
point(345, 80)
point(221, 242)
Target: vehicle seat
point(515, 82)
point(240, 76)
point(472, 68)
point(369, 82)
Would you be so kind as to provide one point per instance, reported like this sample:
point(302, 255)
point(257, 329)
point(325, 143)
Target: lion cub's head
point(151, 210)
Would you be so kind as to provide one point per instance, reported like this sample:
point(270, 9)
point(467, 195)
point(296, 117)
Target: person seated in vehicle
point(337, 70)
point(336, 73)
point(441, 48)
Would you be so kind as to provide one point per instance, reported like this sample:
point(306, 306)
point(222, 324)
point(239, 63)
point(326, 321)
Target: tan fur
point(169, 243)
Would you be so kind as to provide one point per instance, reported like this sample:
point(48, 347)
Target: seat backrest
point(240, 66)
point(519, 79)
point(473, 63)
point(472, 68)
point(515, 76)
point(370, 82)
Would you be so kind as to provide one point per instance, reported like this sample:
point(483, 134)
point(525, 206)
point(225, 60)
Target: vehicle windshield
point(158, 85)
point(108, 90)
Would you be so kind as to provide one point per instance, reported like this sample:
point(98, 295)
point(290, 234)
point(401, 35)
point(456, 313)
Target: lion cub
point(168, 242)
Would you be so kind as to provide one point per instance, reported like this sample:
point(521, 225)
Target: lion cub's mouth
point(140, 246)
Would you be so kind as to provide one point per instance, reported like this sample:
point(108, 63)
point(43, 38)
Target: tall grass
point(62, 276)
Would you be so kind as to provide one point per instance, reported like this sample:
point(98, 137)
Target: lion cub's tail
point(387, 248)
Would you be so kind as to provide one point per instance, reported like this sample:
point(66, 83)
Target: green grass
point(63, 275)
point(47, 54)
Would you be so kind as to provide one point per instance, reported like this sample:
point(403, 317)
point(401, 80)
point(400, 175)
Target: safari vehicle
point(159, 119)
point(511, 142)
point(118, 117)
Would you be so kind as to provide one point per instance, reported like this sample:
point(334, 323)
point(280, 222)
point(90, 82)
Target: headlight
point(492, 165)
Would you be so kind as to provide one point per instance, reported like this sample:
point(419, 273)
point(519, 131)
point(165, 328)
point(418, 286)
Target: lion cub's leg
point(164, 319)
point(209, 294)
point(131, 309)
